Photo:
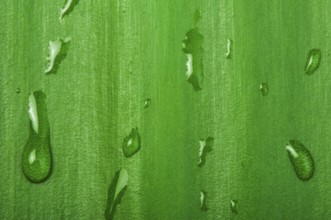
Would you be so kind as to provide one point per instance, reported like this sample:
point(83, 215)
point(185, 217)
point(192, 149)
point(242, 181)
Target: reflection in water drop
point(37, 156)
point(313, 61)
point(192, 46)
point(301, 160)
point(147, 103)
point(264, 88)
point(203, 199)
point(234, 206)
point(131, 143)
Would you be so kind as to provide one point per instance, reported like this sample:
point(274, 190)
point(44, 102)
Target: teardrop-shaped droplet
point(206, 145)
point(131, 143)
point(203, 199)
point(192, 46)
point(147, 102)
point(116, 191)
point(264, 88)
point(234, 206)
point(301, 160)
point(37, 155)
point(313, 61)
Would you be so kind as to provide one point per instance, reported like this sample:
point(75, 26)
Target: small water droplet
point(18, 90)
point(229, 49)
point(192, 46)
point(203, 199)
point(313, 61)
point(57, 52)
point(131, 143)
point(301, 160)
point(264, 88)
point(234, 206)
point(68, 7)
point(116, 191)
point(37, 156)
point(147, 102)
point(206, 145)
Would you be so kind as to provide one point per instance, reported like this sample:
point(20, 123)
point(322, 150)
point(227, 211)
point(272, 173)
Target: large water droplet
point(203, 199)
point(206, 145)
point(192, 46)
point(37, 155)
point(229, 49)
point(313, 61)
point(264, 88)
point(301, 159)
point(68, 7)
point(116, 191)
point(147, 102)
point(57, 52)
point(234, 206)
point(131, 143)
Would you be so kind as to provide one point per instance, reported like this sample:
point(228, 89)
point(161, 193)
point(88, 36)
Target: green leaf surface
point(122, 52)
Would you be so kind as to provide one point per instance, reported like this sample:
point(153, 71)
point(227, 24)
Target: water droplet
point(313, 61)
point(301, 160)
point(68, 7)
point(229, 49)
point(18, 90)
point(192, 46)
point(116, 191)
point(131, 143)
point(206, 145)
point(264, 88)
point(147, 103)
point(37, 156)
point(57, 52)
point(234, 206)
point(203, 199)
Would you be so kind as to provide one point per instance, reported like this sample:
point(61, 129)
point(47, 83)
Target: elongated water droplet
point(229, 49)
point(68, 7)
point(301, 160)
point(192, 46)
point(203, 199)
point(147, 103)
point(234, 206)
point(116, 191)
point(37, 156)
point(264, 88)
point(131, 143)
point(206, 145)
point(57, 52)
point(313, 61)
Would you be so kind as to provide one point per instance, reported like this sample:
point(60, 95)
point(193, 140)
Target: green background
point(123, 51)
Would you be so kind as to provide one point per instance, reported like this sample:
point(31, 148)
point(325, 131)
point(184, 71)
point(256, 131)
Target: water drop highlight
point(234, 206)
point(37, 156)
point(229, 49)
point(206, 145)
point(147, 103)
point(116, 191)
point(68, 7)
point(203, 199)
point(57, 52)
point(192, 47)
point(264, 88)
point(301, 160)
point(131, 143)
point(313, 61)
